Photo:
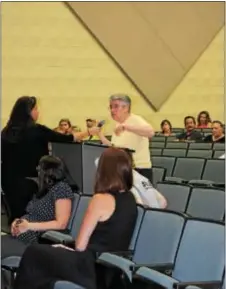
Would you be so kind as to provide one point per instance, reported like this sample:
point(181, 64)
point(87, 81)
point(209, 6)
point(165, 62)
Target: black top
point(43, 209)
point(115, 233)
point(209, 138)
point(193, 135)
point(20, 159)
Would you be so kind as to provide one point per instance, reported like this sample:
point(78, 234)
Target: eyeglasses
point(115, 107)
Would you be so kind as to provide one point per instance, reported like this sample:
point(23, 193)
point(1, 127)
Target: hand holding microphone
point(96, 129)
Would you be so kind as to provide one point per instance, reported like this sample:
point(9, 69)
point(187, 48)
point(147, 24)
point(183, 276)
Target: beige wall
point(47, 53)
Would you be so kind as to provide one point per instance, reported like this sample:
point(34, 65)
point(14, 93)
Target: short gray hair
point(122, 97)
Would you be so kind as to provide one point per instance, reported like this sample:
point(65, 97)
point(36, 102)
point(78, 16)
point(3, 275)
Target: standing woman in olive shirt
point(23, 143)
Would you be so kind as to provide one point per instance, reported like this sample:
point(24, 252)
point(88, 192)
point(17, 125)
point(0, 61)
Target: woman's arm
point(92, 217)
point(53, 136)
point(62, 215)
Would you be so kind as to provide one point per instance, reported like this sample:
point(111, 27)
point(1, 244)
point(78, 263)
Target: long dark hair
point(20, 118)
point(114, 172)
point(51, 170)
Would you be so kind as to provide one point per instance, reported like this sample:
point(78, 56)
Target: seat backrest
point(219, 146)
point(164, 162)
point(200, 146)
point(159, 237)
point(156, 152)
point(73, 211)
point(189, 168)
point(140, 215)
point(79, 215)
point(217, 154)
point(207, 203)
point(176, 145)
point(156, 144)
point(177, 195)
point(214, 171)
point(158, 175)
point(200, 153)
point(157, 138)
point(201, 252)
point(174, 152)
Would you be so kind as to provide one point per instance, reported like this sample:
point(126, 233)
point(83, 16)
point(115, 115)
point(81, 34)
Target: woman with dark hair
point(49, 209)
point(217, 135)
point(166, 128)
point(23, 143)
point(107, 226)
point(203, 119)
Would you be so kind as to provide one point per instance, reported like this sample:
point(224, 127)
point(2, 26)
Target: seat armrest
point(55, 237)
point(125, 254)
point(152, 276)
point(203, 285)
point(165, 268)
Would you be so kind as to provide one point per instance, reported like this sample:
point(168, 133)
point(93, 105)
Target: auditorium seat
point(177, 195)
point(200, 258)
point(158, 175)
point(157, 138)
point(157, 144)
point(164, 162)
point(214, 171)
point(219, 147)
point(156, 152)
point(176, 145)
point(200, 153)
point(200, 146)
point(156, 245)
point(207, 203)
point(174, 152)
point(188, 168)
point(217, 154)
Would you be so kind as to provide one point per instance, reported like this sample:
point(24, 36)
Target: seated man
point(190, 134)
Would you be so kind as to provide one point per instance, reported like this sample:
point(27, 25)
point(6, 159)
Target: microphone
point(100, 124)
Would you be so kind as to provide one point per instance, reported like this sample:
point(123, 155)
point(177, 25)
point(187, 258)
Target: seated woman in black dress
point(23, 143)
point(50, 208)
point(217, 135)
point(107, 226)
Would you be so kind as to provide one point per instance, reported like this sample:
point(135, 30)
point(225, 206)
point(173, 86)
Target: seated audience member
point(190, 133)
point(143, 191)
point(64, 126)
point(50, 208)
point(203, 120)
point(89, 124)
point(108, 225)
point(166, 128)
point(217, 133)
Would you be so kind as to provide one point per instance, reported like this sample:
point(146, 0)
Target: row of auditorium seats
point(173, 249)
point(192, 153)
point(166, 241)
point(199, 202)
point(187, 169)
point(186, 145)
point(181, 199)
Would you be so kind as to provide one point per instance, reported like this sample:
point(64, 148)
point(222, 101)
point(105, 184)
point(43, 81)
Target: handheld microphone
point(101, 123)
